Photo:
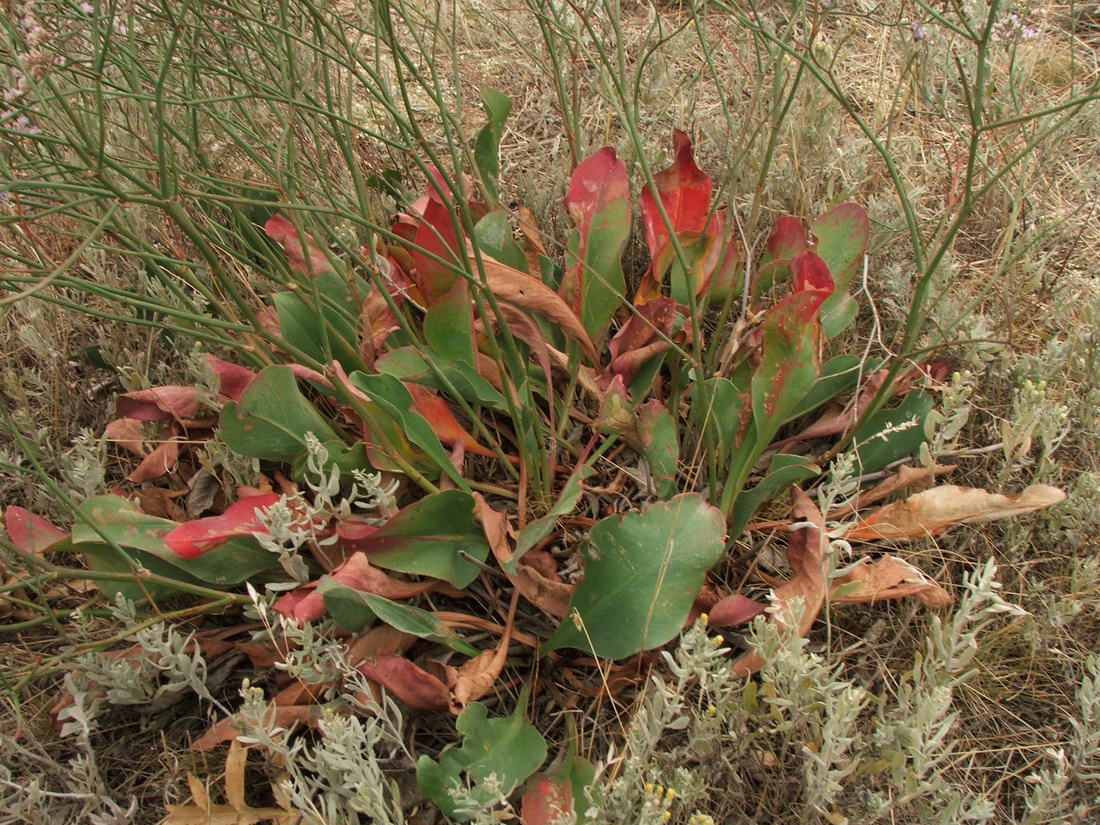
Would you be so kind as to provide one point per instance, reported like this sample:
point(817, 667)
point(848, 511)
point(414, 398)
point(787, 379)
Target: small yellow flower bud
point(704, 618)
point(648, 787)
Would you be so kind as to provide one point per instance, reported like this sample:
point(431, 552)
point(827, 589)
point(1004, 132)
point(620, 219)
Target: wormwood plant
point(457, 426)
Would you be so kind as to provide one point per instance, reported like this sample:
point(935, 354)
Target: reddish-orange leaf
point(685, 193)
point(160, 403)
point(788, 238)
point(411, 684)
point(546, 800)
point(198, 536)
point(282, 231)
point(233, 379)
point(30, 533)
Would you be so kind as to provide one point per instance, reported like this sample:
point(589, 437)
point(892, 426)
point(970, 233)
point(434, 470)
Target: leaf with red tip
point(411, 684)
point(283, 232)
point(30, 533)
point(598, 201)
point(233, 379)
point(438, 414)
point(790, 359)
point(435, 236)
point(160, 403)
point(842, 234)
point(788, 238)
point(193, 538)
point(685, 193)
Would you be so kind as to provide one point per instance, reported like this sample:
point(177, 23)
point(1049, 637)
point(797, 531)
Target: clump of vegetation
point(438, 505)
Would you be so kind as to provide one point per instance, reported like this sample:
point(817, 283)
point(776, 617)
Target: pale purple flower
point(87, 8)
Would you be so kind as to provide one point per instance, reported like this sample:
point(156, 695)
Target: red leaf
point(546, 800)
point(233, 378)
point(435, 234)
point(198, 536)
point(411, 684)
point(810, 273)
point(734, 610)
point(160, 403)
point(788, 238)
point(281, 230)
point(30, 533)
point(438, 414)
point(129, 433)
point(685, 193)
point(639, 339)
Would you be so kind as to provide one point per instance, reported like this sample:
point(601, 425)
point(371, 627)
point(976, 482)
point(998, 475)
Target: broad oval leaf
point(643, 570)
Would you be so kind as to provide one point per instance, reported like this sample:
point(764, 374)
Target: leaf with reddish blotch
point(787, 239)
point(435, 236)
point(807, 558)
point(842, 234)
point(160, 403)
point(888, 578)
point(529, 293)
point(790, 359)
point(411, 684)
point(307, 603)
point(598, 201)
point(933, 511)
point(30, 533)
point(233, 379)
point(283, 232)
point(198, 536)
point(554, 794)
point(685, 193)
point(733, 610)
point(430, 537)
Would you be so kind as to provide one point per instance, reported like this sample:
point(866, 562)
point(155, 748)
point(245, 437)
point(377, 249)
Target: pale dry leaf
point(888, 578)
point(933, 511)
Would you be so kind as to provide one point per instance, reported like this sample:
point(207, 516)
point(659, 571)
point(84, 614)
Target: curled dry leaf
point(933, 511)
point(887, 578)
point(905, 476)
point(549, 595)
point(733, 610)
point(476, 677)
point(162, 459)
point(806, 556)
point(160, 403)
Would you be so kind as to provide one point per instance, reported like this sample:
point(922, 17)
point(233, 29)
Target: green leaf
point(660, 446)
point(643, 570)
point(493, 235)
point(237, 560)
point(785, 470)
point(394, 399)
point(842, 236)
point(354, 610)
point(717, 411)
point(427, 537)
point(876, 451)
point(599, 203)
point(449, 325)
point(508, 748)
point(406, 364)
point(272, 418)
point(537, 530)
point(838, 375)
point(487, 147)
point(338, 317)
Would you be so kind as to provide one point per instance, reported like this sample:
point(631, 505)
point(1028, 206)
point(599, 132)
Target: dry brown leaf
point(546, 594)
point(465, 620)
point(905, 476)
point(408, 682)
point(477, 677)
point(528, 292)
point(202, 812)
point(887, 578)
point(806, 556)
point(283, 717)
point(933, 511)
